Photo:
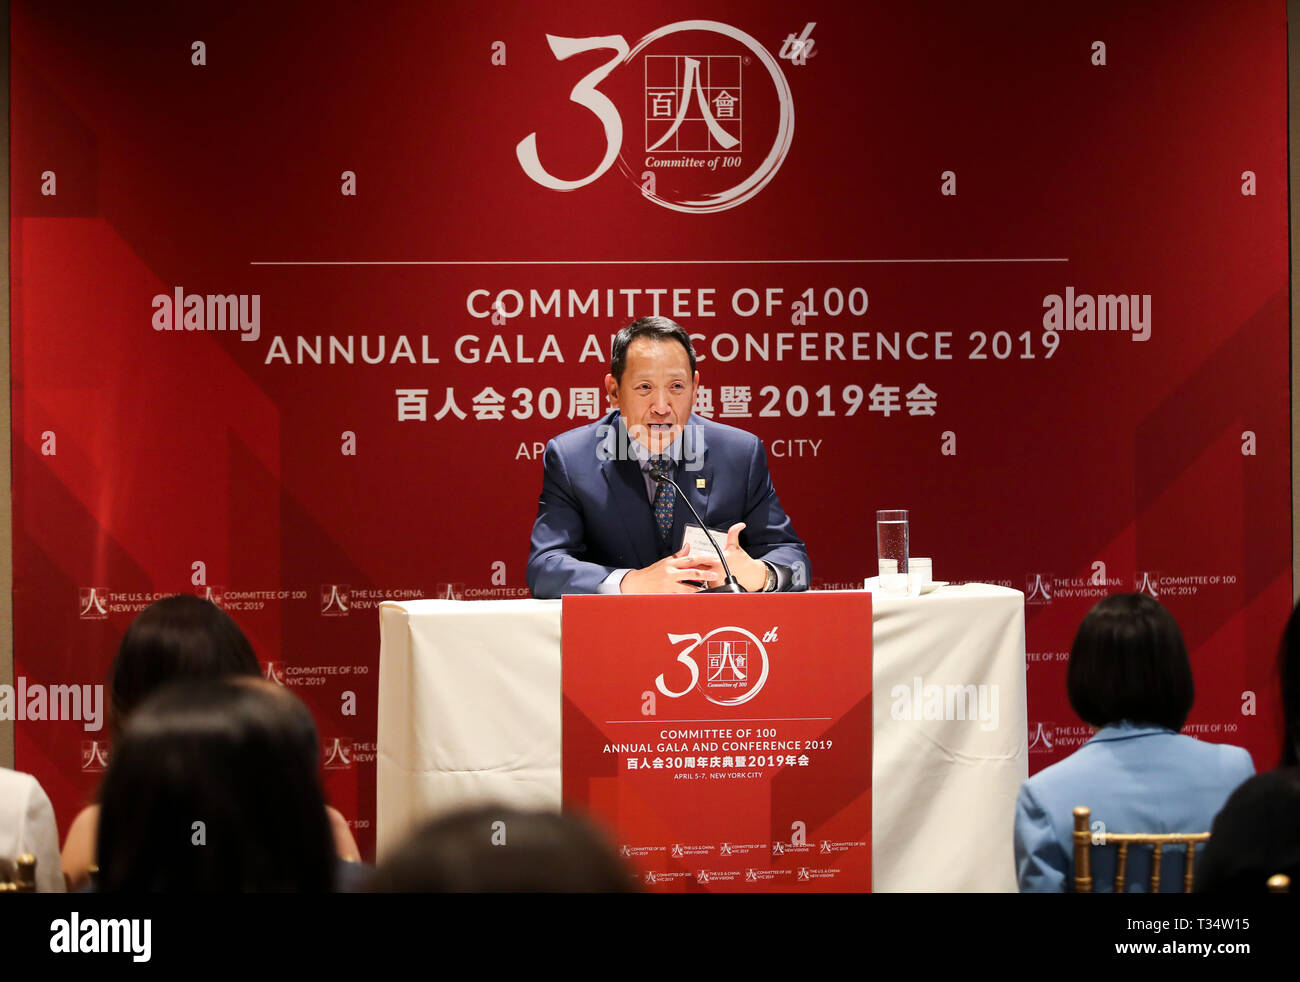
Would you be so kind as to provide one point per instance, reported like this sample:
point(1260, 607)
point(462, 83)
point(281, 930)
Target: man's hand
point(671, 575)
point(749, 572)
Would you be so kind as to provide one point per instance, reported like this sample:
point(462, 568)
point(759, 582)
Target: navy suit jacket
point(1134, 779)
point(594, 515)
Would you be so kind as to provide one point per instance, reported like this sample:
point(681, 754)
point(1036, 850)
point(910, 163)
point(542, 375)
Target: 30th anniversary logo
point(714, 111)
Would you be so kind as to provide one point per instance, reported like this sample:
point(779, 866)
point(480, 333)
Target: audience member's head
point(1289, 664)
point(215, 787)
point(1129, 663)
point(501, 850)
point(1255, 836)
point(176, 638)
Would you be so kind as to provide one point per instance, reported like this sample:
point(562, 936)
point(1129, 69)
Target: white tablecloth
point(469, 712)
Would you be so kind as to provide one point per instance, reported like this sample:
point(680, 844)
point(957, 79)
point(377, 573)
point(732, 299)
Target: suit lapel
point(628, 494)
point(693, 452)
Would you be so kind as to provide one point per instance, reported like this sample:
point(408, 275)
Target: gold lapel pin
point(700, 483)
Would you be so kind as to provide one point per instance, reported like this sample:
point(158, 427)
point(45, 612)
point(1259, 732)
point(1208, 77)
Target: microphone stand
point(731, 584)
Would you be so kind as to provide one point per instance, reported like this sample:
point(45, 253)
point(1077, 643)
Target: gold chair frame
point(24, 880)
point(1083, 846)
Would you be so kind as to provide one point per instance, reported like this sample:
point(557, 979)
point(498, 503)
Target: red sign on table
point(724, 742)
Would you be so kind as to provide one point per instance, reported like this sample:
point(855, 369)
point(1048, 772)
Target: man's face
point(656, 393)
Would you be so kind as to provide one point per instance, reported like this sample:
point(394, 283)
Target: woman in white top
point(27, 826)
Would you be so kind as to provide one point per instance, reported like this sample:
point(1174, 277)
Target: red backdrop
point(946, 166)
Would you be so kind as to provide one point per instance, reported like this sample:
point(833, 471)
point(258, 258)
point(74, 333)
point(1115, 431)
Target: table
point(469, 713)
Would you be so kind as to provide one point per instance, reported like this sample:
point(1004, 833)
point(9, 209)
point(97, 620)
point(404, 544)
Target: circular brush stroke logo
point(750, 186)
point(586, 94)
point(726, 666)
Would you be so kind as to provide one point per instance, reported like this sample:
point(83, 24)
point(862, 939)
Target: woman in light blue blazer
point(1129, 678)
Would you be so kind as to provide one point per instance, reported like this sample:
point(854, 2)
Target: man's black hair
point(655, 328)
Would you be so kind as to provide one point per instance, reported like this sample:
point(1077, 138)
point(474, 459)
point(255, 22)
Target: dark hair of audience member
point(239, 756)
point(1256, 836)
point(178, 637)
point(1289, 667)
point(1129, 663)
point(501, 850)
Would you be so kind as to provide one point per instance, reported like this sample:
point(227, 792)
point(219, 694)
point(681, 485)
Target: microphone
point(731, 585)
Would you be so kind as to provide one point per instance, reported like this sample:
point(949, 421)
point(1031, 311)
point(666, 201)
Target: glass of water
point(891, 541)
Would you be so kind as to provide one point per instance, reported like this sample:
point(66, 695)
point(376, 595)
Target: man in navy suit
point(606, 525)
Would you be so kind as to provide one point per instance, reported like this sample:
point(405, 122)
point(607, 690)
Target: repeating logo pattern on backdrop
point(334, 600)
point(94, 755)
point(93, 603)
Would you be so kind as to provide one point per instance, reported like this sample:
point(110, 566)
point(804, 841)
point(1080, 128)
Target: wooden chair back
point(1083, 846)
point(22, 875)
